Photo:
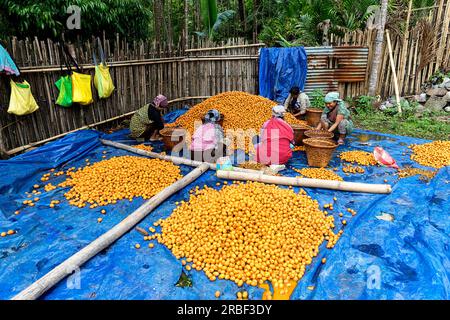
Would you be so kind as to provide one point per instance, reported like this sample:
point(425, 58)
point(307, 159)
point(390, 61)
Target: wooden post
point(45, 283)
point(303, 182)
point(394, 74)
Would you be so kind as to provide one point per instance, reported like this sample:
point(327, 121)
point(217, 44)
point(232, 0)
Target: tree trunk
point(241, 9)
point(169, 25)
point(373, 79)
point(157, 20)
point(256, 4)
point(186, 26)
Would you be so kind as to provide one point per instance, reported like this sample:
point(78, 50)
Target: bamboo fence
point(418, 52)
point(140, 71)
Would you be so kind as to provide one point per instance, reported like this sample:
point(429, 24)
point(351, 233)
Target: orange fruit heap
point(435, 154)
point(241, 111)
point(118, 178)
point(359, 157)
point(248, 233)
point(318, 173)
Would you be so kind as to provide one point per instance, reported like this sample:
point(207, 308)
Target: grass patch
point(433, 126)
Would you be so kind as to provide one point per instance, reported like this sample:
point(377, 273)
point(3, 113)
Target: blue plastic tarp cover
point(280, 69)
point(404, 256)
point(173, 116)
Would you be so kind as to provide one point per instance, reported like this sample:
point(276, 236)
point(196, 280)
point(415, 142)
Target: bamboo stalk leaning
point(175, 160)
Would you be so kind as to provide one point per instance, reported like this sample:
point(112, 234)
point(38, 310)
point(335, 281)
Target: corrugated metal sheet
point(329, 66)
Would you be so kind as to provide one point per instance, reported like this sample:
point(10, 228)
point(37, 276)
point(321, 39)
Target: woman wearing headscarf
point(276, 139)
point(336, 117)
point(147, 121)
point(208, 139)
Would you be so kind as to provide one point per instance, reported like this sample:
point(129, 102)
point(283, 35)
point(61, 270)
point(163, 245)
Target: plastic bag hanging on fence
point(102, 77)
point(64, 84)
point(81, 84)
point(81, 88)
point(22, 101)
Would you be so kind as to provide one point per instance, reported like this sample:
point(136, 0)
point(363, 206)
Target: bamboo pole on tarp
point(305, 182)
point(64, 269)
point(175, 160)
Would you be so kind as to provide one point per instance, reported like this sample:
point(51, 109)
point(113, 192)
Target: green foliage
point(317, 98)
point(289, 33)
point(213, 21)
point(278, 22)
point(47, 18)
point(438, 76)
point(208, 10)
point(296, 22)
point(427, 126)
point(364, 103)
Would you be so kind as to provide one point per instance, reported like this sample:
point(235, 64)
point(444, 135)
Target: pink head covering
point(160, 101)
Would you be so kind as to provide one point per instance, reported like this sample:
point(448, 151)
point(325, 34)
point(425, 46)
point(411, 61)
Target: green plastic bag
point(64, 85)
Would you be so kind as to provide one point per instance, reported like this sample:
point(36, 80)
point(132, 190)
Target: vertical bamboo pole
point(443, 36)
point(394, 74)
point(404, 49)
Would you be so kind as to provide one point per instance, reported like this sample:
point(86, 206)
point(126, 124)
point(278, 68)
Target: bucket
point(172, 136)
point(313, 117)
point(319, 134)
point(319, 152)
point(299, 133)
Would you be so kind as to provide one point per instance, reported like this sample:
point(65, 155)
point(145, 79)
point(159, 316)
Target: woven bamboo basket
point(313, 117)
point(319, 152)
point(319, 134)
point(172, 136)
point(299, 133)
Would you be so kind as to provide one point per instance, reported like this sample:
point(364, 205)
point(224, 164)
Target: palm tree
point(373, 79)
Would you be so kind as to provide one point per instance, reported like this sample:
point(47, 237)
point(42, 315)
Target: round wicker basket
point(313, 116)
point(299, 133)
point(319, 134)
point(319, 151)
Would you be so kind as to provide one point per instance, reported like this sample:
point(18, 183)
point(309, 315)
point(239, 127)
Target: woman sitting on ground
point(147, 121)
point(297, 102)
point(336, 117)
point(277, 137)
point(208, 139)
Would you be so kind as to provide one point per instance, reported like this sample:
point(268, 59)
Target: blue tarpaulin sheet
point(280, 69)
point(403, 258)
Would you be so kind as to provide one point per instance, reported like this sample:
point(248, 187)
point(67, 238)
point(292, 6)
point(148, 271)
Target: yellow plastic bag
point(103, 81)
point(81, 88)
point(22, 101)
